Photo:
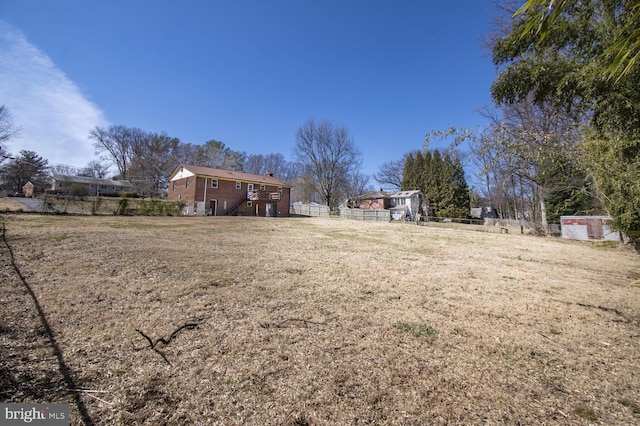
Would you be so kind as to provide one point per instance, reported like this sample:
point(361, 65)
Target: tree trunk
point(543, 212)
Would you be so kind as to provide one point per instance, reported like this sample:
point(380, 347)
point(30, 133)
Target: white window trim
point(214, 183)
point(238, 184)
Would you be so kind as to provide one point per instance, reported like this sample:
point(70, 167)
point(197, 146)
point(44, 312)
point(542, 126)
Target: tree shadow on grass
point(23, 385)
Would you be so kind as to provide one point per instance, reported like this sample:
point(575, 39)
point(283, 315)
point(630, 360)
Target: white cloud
point(54, 115)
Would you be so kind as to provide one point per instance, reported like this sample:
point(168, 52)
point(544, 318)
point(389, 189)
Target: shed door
point(594, 229)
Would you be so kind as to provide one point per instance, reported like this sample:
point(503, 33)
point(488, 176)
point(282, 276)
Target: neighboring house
point(588, 228)
point(401, 204)
point(407, 203)
point(376, 200)
point(217, 192)
point(63, 184)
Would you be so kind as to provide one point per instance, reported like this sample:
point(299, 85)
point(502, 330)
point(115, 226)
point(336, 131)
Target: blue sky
point(245, 72)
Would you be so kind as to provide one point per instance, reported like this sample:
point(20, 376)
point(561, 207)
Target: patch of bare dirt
point(317, 321)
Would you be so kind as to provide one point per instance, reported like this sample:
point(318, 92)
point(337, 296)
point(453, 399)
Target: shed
point(27, 189)
point(588, 228)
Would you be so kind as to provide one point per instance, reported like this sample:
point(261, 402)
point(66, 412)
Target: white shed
point(588, 228)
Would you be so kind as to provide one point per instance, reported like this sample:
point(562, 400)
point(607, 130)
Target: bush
point(123, 208)
point(95, 205)
point(152, 207)
point(78, 191)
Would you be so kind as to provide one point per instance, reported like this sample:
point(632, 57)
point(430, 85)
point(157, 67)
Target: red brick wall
point(179, 191)
point(380, 203)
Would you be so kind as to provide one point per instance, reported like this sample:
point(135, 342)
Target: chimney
point(268, 173)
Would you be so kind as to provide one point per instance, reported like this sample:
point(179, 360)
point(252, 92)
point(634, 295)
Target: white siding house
point(407, 203)
point(63, 184)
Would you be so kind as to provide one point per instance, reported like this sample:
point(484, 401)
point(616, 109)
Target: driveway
point(32, 204)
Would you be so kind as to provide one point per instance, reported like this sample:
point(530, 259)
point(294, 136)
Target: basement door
point(270, 210)
point(213, 206)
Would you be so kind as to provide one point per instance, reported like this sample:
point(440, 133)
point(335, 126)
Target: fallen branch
point(602, 308)
point(152, 344)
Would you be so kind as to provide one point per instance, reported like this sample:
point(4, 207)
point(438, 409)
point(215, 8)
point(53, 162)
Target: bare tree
point(212, 153)
point(357, 184)
point(389, 177)
point(63, 169)
point(8, 130)
point(153, 157)
point(275, 164)
point(95, 168)
point(530, 150)
point(254, 163)
point(118, 143)
point(327, 154)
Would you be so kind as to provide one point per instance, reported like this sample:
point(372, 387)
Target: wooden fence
point(368, 215)
point(309, 209)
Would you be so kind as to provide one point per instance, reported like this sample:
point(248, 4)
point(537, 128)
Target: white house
point(408, 203)
point(63, 184)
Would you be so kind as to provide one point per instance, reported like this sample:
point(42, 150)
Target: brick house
point(217, 192)
point(376, 200)
point(402, 203)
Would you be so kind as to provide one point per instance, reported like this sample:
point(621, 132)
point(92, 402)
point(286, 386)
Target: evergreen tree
point(408, 177)
point(431, 181)
point(455, 198)
point(418, 172)
point(441, 180)
point(28, 166)
point(437, 182)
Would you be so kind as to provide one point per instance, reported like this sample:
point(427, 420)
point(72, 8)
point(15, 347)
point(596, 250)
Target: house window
point(280, 189)
point(249, 203)
point(188, 182)
point(174, 185)
point(262, 187)
point(250, 187)
point(214, 183)
point(238, 185)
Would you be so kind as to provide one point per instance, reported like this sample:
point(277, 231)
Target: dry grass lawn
point(9, 205)
point(316, 321)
